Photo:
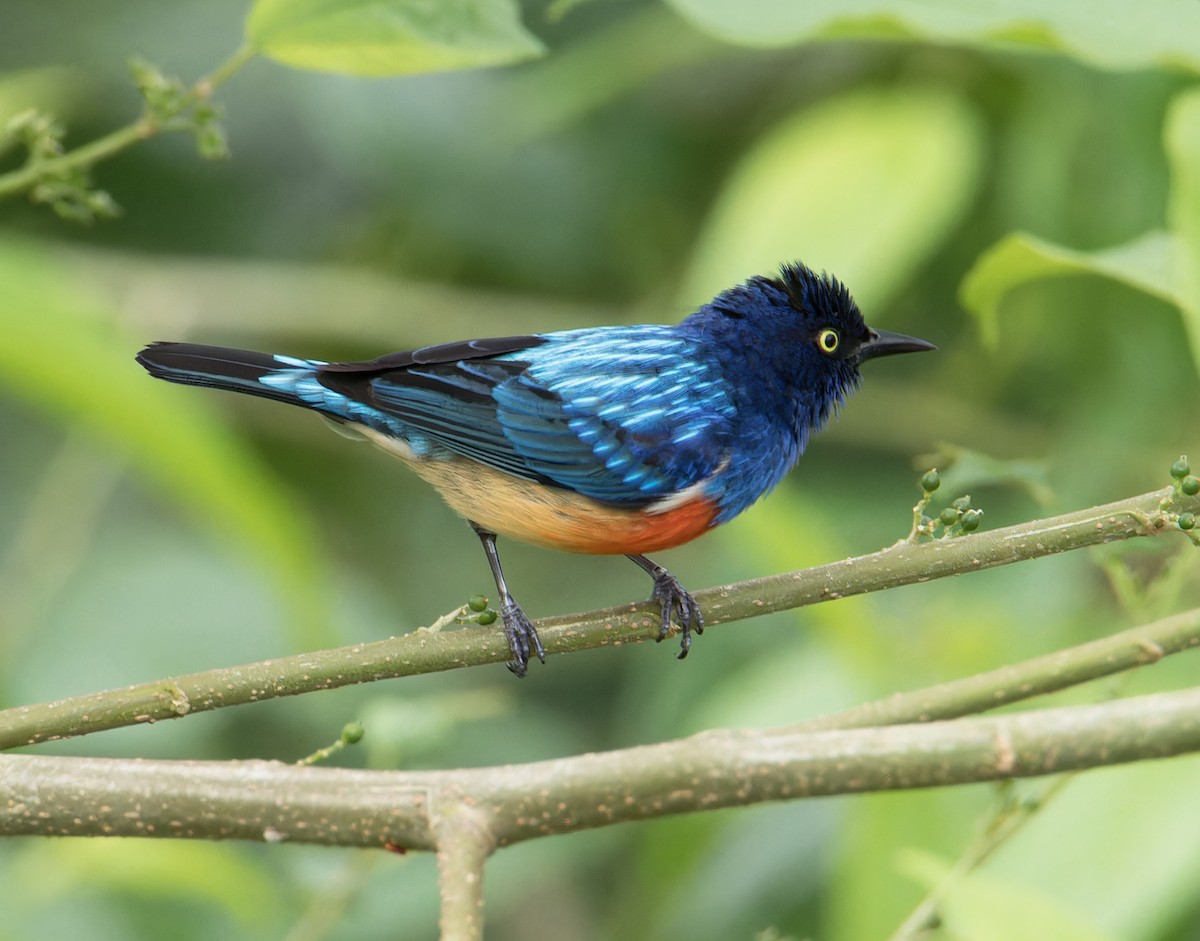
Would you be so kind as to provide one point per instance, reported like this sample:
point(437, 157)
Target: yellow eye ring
point(828, 341)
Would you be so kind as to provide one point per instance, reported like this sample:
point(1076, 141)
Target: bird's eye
point(828, 340)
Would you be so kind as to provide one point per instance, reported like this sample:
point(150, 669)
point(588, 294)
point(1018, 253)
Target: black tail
point(219, 368)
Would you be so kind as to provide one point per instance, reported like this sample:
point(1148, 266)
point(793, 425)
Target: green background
point(654, 155)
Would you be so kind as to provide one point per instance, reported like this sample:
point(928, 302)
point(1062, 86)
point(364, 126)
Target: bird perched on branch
point(605, 440)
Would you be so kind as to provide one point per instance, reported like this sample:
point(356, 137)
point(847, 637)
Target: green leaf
point(390, 37)
point(77, 367)
point(403, 728)
point(165, 871)
point(863, 186)
point(1182, 142)
point(1096, 819)
point(1165, 265)
point(1166, 32)
point(984, 908)
point(876, 827)
point(964, 469)
point(1019, 259)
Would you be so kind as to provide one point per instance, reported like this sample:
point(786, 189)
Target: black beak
point(883, 343)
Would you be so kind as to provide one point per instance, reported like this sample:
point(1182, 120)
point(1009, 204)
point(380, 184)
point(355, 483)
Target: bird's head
point(798, 338)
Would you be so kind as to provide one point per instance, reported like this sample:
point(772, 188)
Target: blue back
point(720, 405)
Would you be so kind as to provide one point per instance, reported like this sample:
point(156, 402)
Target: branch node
point(181, 704)
point(1006, 755)
point(1152, 650)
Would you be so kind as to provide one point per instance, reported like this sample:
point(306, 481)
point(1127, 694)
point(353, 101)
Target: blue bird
point(605, 440)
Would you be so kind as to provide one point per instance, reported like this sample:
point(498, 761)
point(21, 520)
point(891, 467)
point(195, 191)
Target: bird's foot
point(678, 604)
point(522, 637)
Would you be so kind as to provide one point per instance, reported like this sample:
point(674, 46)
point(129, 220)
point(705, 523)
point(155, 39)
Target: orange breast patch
point(556, 518)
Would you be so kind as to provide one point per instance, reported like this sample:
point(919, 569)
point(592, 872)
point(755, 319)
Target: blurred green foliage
point(950, 165)
point(362, 37)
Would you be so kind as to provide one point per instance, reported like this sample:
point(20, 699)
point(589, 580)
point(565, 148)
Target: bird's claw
point(522, 637)
point(677, 604)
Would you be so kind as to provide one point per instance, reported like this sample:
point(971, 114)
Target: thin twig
point(1000, 827)
point(1138, 646)
point(112, 143)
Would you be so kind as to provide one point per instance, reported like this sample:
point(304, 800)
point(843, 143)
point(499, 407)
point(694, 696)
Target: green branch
point(273, 802)
point(464, 842)
point(34, 171)
point(1138, 646)
point(424, 651)
point(169, 106)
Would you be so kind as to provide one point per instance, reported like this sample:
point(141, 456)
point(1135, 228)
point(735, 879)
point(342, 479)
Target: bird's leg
point(517, 627)
point(675, 601)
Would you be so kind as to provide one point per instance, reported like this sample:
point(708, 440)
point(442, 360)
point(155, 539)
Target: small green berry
point(1190, 485)
point(931, 480)
point(1180, 468)
point(948, 516)
point(962, 503)
point(1187, 521)
point(486, 617)
point(352, 733)
point(477, 603)
point(970, 520)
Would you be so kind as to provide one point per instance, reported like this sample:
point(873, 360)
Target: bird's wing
point(620, 414)
point(440, 354)
point(624, 414)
